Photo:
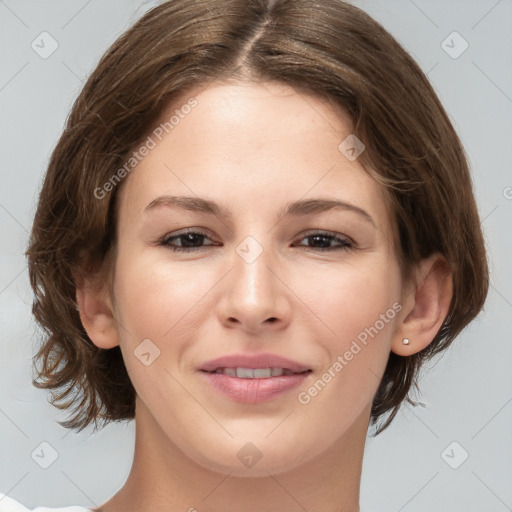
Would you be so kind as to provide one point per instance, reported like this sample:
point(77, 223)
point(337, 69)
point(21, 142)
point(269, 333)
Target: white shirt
point(10, 505)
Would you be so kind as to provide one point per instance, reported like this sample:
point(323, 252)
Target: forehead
point(251, 146)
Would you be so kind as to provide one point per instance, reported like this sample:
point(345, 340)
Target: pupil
point(321, 237)
point(189, 238)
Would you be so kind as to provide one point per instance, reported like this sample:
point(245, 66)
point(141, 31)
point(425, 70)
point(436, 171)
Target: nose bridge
point(254, 296)
point(254, 280)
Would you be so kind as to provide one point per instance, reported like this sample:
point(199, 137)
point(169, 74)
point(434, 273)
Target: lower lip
point(253, 391)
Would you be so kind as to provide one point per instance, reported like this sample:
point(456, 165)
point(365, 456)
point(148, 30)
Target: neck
point(162, 477)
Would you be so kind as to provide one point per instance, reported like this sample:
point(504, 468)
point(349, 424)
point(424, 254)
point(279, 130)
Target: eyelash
point(347, 244)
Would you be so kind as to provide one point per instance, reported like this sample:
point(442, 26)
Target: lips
point(253, 379)
point(243, 363)
point(254, 373)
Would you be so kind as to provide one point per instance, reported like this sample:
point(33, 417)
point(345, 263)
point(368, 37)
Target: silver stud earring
point(405, 341)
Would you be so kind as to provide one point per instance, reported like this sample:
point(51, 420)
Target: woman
point(256, 227)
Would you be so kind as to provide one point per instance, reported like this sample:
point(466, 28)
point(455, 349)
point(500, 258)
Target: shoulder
point(8, 504)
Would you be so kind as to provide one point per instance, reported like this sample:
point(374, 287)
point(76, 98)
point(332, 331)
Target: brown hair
point(329, 49)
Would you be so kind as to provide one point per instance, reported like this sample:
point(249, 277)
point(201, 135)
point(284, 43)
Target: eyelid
point(186, 231)
point(323, 232)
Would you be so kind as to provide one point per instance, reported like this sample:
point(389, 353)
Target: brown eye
point(322, 241)
point(189, 241)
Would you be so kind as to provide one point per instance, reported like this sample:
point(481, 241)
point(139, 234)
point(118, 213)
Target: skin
point(254, 148)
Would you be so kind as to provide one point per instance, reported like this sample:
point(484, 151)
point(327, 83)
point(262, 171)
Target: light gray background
point(467, 392)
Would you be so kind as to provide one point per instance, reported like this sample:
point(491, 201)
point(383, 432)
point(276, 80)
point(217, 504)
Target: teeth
point(254, 373)
point(262, 373)
point(245, 373)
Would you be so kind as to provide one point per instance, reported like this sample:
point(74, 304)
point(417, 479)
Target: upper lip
point(264, 360)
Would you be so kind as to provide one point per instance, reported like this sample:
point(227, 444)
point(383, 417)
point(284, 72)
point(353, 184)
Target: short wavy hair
point(328, 49)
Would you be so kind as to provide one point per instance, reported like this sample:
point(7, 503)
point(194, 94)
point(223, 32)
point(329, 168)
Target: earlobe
point(426, 306)
point(96, 314)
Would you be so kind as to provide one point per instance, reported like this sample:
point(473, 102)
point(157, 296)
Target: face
point(268, 269)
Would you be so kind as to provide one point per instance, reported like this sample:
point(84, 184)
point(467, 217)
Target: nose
point(255, 297)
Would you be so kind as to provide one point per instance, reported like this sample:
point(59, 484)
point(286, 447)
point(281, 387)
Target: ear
point(96, 313)
point(426, 306)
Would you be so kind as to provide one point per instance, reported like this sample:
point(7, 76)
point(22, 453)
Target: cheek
point(156, 303)
point(361, 310)
point(355, 298)
point(154, 297)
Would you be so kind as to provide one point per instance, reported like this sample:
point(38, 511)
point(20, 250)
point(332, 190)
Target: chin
point(243, 458)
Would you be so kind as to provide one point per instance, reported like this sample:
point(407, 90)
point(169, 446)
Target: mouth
point(255, 373)
point(254, 378)
point(254, 385)
point(254, 366)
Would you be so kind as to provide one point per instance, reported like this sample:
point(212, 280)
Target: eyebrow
point(296, 208)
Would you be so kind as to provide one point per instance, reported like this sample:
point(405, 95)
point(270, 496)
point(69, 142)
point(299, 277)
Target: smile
point(255, 373)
